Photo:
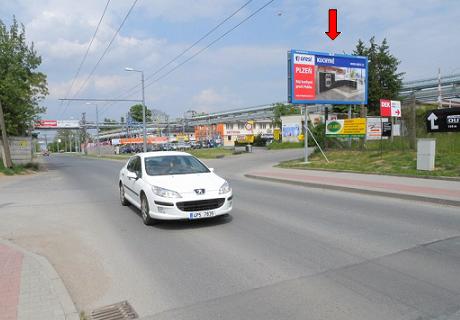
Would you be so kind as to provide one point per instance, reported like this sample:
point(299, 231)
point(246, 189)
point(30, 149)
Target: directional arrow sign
point(333, 33)
point(432, 118)
point(443, 120)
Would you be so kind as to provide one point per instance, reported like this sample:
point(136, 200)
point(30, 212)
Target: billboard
point(57, 124)
point(326, 78)
point(355, 127)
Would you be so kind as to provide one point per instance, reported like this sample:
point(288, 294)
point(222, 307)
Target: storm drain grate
point(118, 311)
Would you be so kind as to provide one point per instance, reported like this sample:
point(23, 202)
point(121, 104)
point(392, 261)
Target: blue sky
point(246, 68)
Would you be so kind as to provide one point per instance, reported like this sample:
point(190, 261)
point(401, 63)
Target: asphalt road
point(286, 252)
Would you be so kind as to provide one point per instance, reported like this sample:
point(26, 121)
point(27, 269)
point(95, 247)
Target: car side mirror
point(211, 169)
point(132, 175)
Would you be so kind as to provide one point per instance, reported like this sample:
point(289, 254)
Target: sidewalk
point(30, 288)
point(429, 190)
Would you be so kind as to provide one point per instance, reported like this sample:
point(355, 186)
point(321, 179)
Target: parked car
point(170, 185)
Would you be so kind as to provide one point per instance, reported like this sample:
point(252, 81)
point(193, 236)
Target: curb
point(70, 312)
point(444, 178)
point(357, 190)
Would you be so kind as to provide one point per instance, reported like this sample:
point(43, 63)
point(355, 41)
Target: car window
point(137, 166)
point(166, 165)
point(130, 166)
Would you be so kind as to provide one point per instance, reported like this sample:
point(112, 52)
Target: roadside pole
point(305, 137)
point(85, 140)
point(8, 163)
point(349, 117)
point(97, 128)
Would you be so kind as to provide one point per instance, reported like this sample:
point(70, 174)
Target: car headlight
point(225, 188)
point(165, 193)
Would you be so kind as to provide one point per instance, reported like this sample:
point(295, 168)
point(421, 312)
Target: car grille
point(200, 205)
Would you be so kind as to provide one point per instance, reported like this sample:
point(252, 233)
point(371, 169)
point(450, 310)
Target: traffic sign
point(443, 120)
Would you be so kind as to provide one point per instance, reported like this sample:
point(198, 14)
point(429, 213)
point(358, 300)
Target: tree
point(383, 78)
point(136, 113)
point(281, 109)
point(21, 86)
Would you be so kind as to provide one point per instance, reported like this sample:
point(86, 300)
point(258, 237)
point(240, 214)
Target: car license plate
point(201, 214)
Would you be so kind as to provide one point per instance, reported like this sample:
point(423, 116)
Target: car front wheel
point(123, 200)
point(145, 209)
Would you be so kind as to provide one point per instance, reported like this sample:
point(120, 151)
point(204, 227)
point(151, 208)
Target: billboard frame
point(290, 66)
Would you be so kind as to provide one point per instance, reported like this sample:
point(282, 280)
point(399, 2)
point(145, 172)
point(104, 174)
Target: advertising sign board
point(390, 108)
point(326, 78)
point(443, 120)
point(386, 129)
point(57, 124)
point(374, 129)
point(346, 127)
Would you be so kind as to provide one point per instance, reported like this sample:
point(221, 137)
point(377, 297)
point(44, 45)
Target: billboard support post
point(305, 137)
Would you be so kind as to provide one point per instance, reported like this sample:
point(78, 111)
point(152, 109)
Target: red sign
point(304, 81)
point(385, 108)
point(46, 124)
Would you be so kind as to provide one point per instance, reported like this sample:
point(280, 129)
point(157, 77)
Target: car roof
point(162, 153)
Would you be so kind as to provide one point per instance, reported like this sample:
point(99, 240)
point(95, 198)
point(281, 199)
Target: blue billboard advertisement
point(326, 78)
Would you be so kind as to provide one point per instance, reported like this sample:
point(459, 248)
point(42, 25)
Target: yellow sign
point(300, 137)
point(249, 125)
point(276, 134)
point(249, 138)
point(346, 127)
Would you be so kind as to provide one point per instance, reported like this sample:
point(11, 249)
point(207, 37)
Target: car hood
point(187, 183)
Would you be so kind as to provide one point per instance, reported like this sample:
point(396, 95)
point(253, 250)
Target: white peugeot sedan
point(170, 185)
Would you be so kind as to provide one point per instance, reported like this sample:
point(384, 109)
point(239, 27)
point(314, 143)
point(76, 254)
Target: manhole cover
point(118, 311)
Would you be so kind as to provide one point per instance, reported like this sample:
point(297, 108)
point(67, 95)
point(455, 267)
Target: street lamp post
point(143, 105)
point(97, 129)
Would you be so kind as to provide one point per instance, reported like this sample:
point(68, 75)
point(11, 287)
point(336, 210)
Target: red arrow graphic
point(333, 33)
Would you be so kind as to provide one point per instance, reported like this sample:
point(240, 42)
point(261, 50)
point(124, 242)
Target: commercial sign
point(443, 120)
point(57, 124)
point(249, 125)
point(326, 78)
point(346, 127)
point(291, 130)
point(390, 108)
point(150, 140)
point(374, 129)
point(386, 129)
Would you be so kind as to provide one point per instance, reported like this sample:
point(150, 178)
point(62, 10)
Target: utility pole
point(439, 89)
point(97, 128)
point(85, 139)
point(6, 147)
point(413, 133)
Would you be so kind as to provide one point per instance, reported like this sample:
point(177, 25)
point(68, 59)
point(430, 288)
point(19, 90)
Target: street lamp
point(97, 129)
point(143, 105)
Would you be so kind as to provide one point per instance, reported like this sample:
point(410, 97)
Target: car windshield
point(167, 165)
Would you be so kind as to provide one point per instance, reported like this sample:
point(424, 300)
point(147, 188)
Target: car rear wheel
point(145, 209)
point(123, 200)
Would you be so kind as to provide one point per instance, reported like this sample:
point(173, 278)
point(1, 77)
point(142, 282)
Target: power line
point(87, 50)
point(130, 91)
point(194, 44)
point(107, 48)
point(208, 46)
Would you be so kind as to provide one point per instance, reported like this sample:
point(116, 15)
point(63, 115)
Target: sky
point(245, 68)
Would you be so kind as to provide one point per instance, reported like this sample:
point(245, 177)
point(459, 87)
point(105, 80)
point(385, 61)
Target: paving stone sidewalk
point(30, 288)
point(430, 190)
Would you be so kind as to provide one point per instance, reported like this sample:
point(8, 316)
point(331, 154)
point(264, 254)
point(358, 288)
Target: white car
point(170, 185)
